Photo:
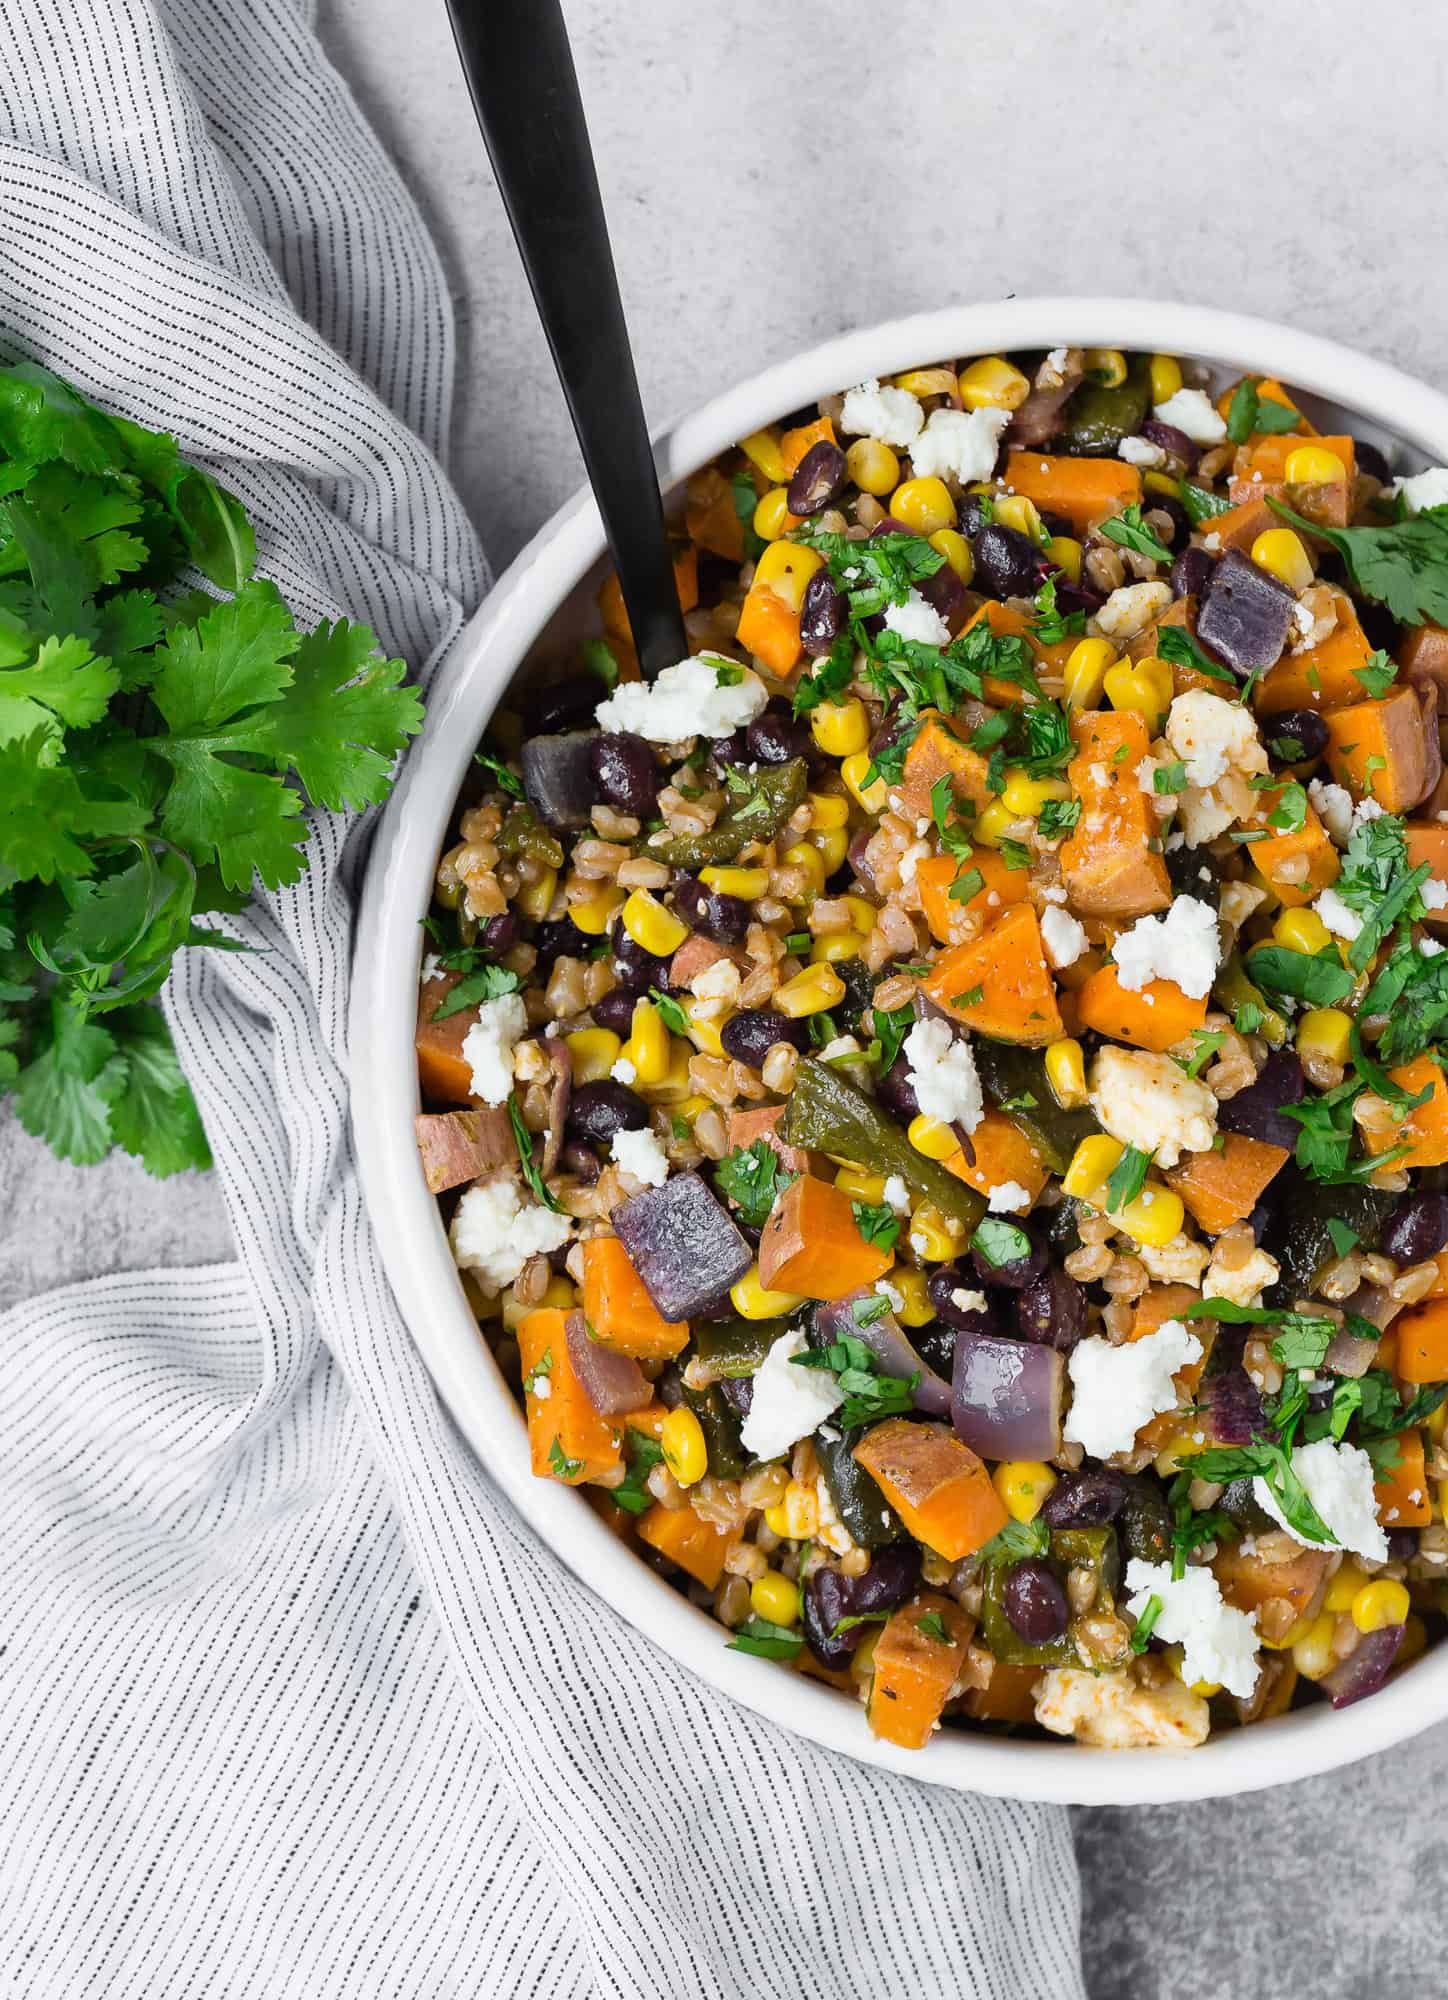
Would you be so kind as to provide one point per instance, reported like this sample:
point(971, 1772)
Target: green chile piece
point(1301, 1241)
point(773, 795)
point(1098, 418)
point(727, 1457)
point(730, 1348)
point(866, 1513)
point(827, 1113)
point(1071, 1548)
point(1014, 1079)
point(1232, 989)
point(522, 834)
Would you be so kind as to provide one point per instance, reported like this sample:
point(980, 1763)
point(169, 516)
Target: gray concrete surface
point(776, 173)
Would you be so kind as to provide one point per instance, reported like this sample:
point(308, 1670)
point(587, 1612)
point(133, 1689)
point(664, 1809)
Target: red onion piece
point(1363, 1671)
point(1006, 1397)
point(613, 1383)
point(561, 1061)
point(890, 1346)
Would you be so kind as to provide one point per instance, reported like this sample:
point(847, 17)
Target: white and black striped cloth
point(291, 1705)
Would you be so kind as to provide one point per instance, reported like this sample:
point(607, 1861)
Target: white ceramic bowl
point(539, 597)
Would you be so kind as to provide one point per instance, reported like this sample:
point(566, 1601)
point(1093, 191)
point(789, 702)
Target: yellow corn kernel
point(997, 823)
point(804, 855)
point(938, 381)
point(827, 811)
point(1312, 1653)
point(1144, 686)
point(1106, 365)
point(1066, 1073)
point(594, 1052)
point(1324, 1031)
point(950, 543)
point(810, 992)
point(836, 949)
point(1154, 1218)
point(1014, 510)
point(832, 843)
point(801, 1511)
point(703, 1032)
point(1025, 795)
point(1023, 1484)
point(863, 914)
point(861, 1185)
point(692, 1106)
point(1313, 465)
point(931, 1237)
point(559, 1293)
point(761, 448)
point(1282, 553)
point(748, 884)
point(1301, 930)
point(674, 1086)
point(685, 1453)
point(772, 516)
point(873, 466)
point(594, 915)
point(786, 567)
point(932, 1138)
point(775, 1598)
point(1092, 1165)
point(753, 1300)
point(652, 927)
point(1166, 377)
point(872, 796)
point(647, 1047)
point(535, 899)
point(916, 1307)
point(1344, 1587)
point(777, 1521)
point(840, 728)
point(1289, 1638)
point(993, 383)
point(1084, 673)
point(1065, 552)
point(1383, 1602)
point(924, 505)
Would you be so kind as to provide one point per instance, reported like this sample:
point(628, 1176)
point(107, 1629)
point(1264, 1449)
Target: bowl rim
point(468, 682)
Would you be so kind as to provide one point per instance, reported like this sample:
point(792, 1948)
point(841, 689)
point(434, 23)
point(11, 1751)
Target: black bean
point(817, 480)
point(560, 938)
point(1015, 1275)
point(1402, 1544)
point(823, 1608)
point(579, 1159)
point(565, 704)
point(499, 933)
point(896, 1092)
point(972, 514)
point(1052, 1311)
point(1257, 1113)
point(598, 1111)
point(625, 772)
point(1172, 440)
point(638, 969)
point(776, 737)
point(749, 1035)
point(942, 1284)
point(1416, 1230)
point(1007, 563)
point(730, 749)
point(615, 1010)
point(1192, 572)
point(1035, 1603)
point(1370, 460)
point(1296, 735)
point(943, 592)
point(821, 614)
point(892, 1576)
point(724, 918)
point(1084, 1499)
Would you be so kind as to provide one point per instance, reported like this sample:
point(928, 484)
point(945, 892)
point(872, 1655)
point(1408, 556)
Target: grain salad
point(937, 1100)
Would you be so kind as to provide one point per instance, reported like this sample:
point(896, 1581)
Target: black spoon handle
point(520, 73)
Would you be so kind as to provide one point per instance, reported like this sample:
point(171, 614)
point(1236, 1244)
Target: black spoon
point(519, 67)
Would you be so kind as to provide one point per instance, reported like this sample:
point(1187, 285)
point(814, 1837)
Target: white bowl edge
point(470, 681)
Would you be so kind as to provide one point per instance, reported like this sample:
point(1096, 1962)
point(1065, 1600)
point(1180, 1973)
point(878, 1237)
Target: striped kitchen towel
point(291, 1704)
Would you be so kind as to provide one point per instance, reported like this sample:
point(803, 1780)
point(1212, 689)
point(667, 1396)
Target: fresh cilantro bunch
point(157, 747)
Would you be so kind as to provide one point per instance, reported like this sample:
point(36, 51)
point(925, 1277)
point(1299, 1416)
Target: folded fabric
point(291, 1703)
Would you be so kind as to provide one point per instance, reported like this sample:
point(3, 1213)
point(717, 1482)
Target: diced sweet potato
point(1423, 656)
point(1008, 1696)
point(1298, 865)
point(1322, 676)
point(567, 1439)
point(458, 1146)
point(1240, 526)
point(614, 611)
point(937, 752)
point(952, 922)
point(769, 629)
point(1248, 1582)
point(1401, 1492)
point(812, 1244)
point(1423, 1130)
point(698, 1547)
point(711, 517)
point(763, 1122)
point(1219, 1189)
point(939, 1488)
point(1000, 983)
point(1430, 843)
point(1006, 622)
point(1084, 490)
point(1108, 863)
point(1423, 1341)
point(620, 1313)
point(1157, 1017)
point(1181, 615)
point(794, 444)
point(915, 1669)
point(1267, 453)
point(1002, 1153)
point(443, 1075)
point(1379, 750)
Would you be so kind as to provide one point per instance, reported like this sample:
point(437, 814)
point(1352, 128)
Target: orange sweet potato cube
point(812, 1244)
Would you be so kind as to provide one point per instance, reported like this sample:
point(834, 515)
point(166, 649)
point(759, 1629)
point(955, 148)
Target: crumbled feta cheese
point(719, 981)
point(1063, 937)
point(640, 1154)
point(893, 416)
point(1218, 1642)
point(1054, 893)
point(488, 1046)
point(1183, 946)
point(897, 1195)
point(1303, 619)
point(1115, 1712)
point(431, 968)
point(1434, 894)
point(886, 1290)
point(1212, 736)
point(1364, 810)
point(1423, 489)
point(1056, 361)
point(494, 1234)
point(788, 1402)
point(1145, 1100)
point(1241, 1283)
point(1141, 451)
point(684, 701)
point(1194, 415)
point(1115, 1390)
point(1179, 1262)
point(959, 442)
point(967, 1301)
point(623, 1071)
point(1130, 609)
point(1333, 806)
point(915, 619)
point(910, 860)
point(1340, 920)
point(1010, 1198)
point(943, 1072)
point(1338, 1480)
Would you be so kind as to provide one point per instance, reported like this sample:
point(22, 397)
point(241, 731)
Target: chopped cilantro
point(868, 1394)
point(1403, 565)
point(489, 982)
point(752, 1177)
point(1290, 812)
point(1146, 1623)
point(523, 1140)
point(642, 1454)
point(1205, 1043)
point(1000, 1242)
point(506, 780)
point(1168, 779)
point(1051, 625)
point(1322, 981)
point(878, 1224)
point(1201, 505)
point(1017, 1539)
point(768, 1642)
point(971, 997)
point(669, 1012)
point(1058, 816)
point(1377, 673)
point(1129, 531)
point(1250, 413)
point(560, 1466)
point(1127, 1179)
point(932, 1626)
point(1178, 648)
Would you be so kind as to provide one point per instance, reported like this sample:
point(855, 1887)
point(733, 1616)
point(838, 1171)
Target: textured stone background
point(774, 174)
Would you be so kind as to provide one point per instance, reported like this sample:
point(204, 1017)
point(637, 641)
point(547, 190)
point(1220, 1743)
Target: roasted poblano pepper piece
point(867, 1515)
point(1071, 1548)
point(755, 815)
point(730, 1348)
point(1299, 1237)
point(522, 834)
point(1098, 418)
point(1014, 1079)
point(827, 1113)
point(1233, 990)
point(727, 1457)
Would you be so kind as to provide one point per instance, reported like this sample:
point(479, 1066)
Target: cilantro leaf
point(1127, 1179)
point(642, 1454)
point(1403, 565)
point(1176, 645)
point(1130, 531)
point(1377, 673)
point(523, 1140)
point(768, 1642)
point(1322, 981)
point(343, 718)
point(66, 1092)
point(752, 1177)
point(1017, 1539)
point(868, 1395)
point(1201, 504)
point(877, 1223)
point(155, 1116)
point(1058, 816)
point(489, 982)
